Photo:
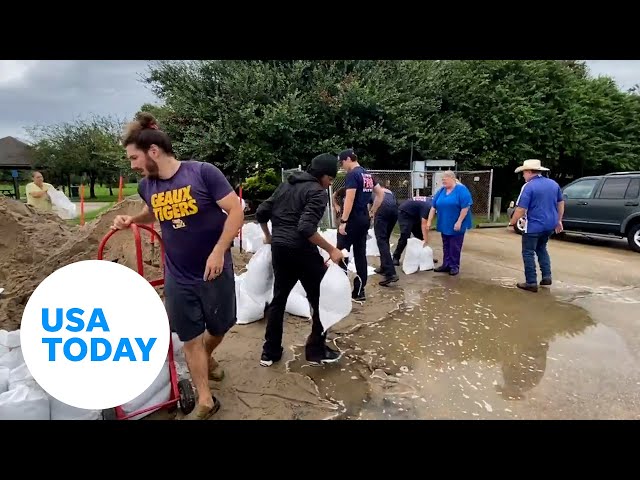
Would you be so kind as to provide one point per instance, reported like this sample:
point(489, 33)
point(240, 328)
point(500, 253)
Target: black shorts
point(205, 305)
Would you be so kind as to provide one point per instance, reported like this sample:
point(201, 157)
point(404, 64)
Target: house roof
point(15, 154)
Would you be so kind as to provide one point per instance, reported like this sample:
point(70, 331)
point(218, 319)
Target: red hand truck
point(182, 392)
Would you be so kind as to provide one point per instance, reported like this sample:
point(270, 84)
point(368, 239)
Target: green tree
point(483, 114)
point(88, 148)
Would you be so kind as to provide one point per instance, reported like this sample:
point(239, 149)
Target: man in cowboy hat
point(542, 205)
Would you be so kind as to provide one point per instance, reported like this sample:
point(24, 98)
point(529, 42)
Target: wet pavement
point(474, 346)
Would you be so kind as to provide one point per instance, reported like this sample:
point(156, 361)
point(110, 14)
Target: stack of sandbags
point(21, 398)
point(252, 237)
point(254, 290)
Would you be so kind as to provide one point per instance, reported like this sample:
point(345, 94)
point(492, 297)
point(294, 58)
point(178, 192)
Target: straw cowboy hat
point(531, 165)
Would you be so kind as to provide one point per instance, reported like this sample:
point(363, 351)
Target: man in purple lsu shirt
point(187, 199)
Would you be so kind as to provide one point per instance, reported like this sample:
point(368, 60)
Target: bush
point(260, 186)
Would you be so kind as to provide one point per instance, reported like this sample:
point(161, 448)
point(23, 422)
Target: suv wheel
point(634, 237)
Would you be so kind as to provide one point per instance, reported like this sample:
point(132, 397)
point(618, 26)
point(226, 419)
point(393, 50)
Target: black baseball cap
point(349, 153)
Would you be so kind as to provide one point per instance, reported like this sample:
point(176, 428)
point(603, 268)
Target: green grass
point(102, 193)
point(91, 215)
point(503, 218)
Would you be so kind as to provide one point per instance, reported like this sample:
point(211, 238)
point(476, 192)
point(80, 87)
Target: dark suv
point(603, 205)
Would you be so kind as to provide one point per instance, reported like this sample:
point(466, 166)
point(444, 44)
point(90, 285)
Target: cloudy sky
point(47, 92)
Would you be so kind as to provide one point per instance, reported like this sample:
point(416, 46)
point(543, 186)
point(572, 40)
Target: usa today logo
point(95, 334)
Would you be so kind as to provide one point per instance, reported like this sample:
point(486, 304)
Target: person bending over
point(384, 221)
point(295, 210)
point(412, 217)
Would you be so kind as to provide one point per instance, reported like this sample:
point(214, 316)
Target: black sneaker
point(389, 280)
point(442, 269)
point(546, 282)
point(267, 361)
point(396, 262)
point(328, 356)
point(378, 271)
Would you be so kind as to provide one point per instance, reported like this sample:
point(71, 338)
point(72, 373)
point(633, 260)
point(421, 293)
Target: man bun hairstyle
point(144, 132)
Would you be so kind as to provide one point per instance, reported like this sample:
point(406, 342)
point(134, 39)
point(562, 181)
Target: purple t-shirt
point(190, 220)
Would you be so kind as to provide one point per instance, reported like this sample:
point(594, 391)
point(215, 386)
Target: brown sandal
point(202, 412)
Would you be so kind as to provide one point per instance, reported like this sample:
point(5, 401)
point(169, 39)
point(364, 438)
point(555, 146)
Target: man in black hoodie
point(295, 210)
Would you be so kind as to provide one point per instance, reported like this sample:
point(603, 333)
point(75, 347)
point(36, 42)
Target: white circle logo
point(95, 334)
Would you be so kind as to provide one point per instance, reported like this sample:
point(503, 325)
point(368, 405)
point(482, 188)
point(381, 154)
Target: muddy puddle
point(466, 350)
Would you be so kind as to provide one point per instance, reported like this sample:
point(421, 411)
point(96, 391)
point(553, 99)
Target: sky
point(44, 92)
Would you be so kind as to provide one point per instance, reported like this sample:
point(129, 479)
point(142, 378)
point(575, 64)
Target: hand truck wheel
point(187, 396)
point(109, 414)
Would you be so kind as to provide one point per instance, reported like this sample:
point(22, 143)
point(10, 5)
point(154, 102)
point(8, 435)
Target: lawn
point(102, 193)
point(92, 214)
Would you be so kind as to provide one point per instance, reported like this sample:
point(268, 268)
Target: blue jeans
point(536, 244)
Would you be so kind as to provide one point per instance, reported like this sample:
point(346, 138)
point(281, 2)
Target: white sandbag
point(178, 347)
point(299, 289)
point(25, 403)
point(247, 237)
point(298, 306)
point(417, 257)
point(297, 303)
point(10, 339)
point(12, 359)
point(247, 309)
point(335, 296)
point(64, 207)
point(3, 350)
point(331, 236)
point(426, 258)
point(21, 376)
point(411, 261)
point(372, 245)
point(179, 358)
point(252, 237)
point(259, 277)
point(351, 267)
point(159, 392)
point(62, 411)
point(4, 379)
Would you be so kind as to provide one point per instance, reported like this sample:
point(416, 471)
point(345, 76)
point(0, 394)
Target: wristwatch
point(343, 221)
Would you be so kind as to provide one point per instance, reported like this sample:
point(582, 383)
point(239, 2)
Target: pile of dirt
point(35, 244)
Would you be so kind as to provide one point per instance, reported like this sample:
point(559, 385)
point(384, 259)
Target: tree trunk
point(92, 186)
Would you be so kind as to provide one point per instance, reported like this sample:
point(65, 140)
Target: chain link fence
point(406, 184)
point(480, 184)
point(289, 171)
